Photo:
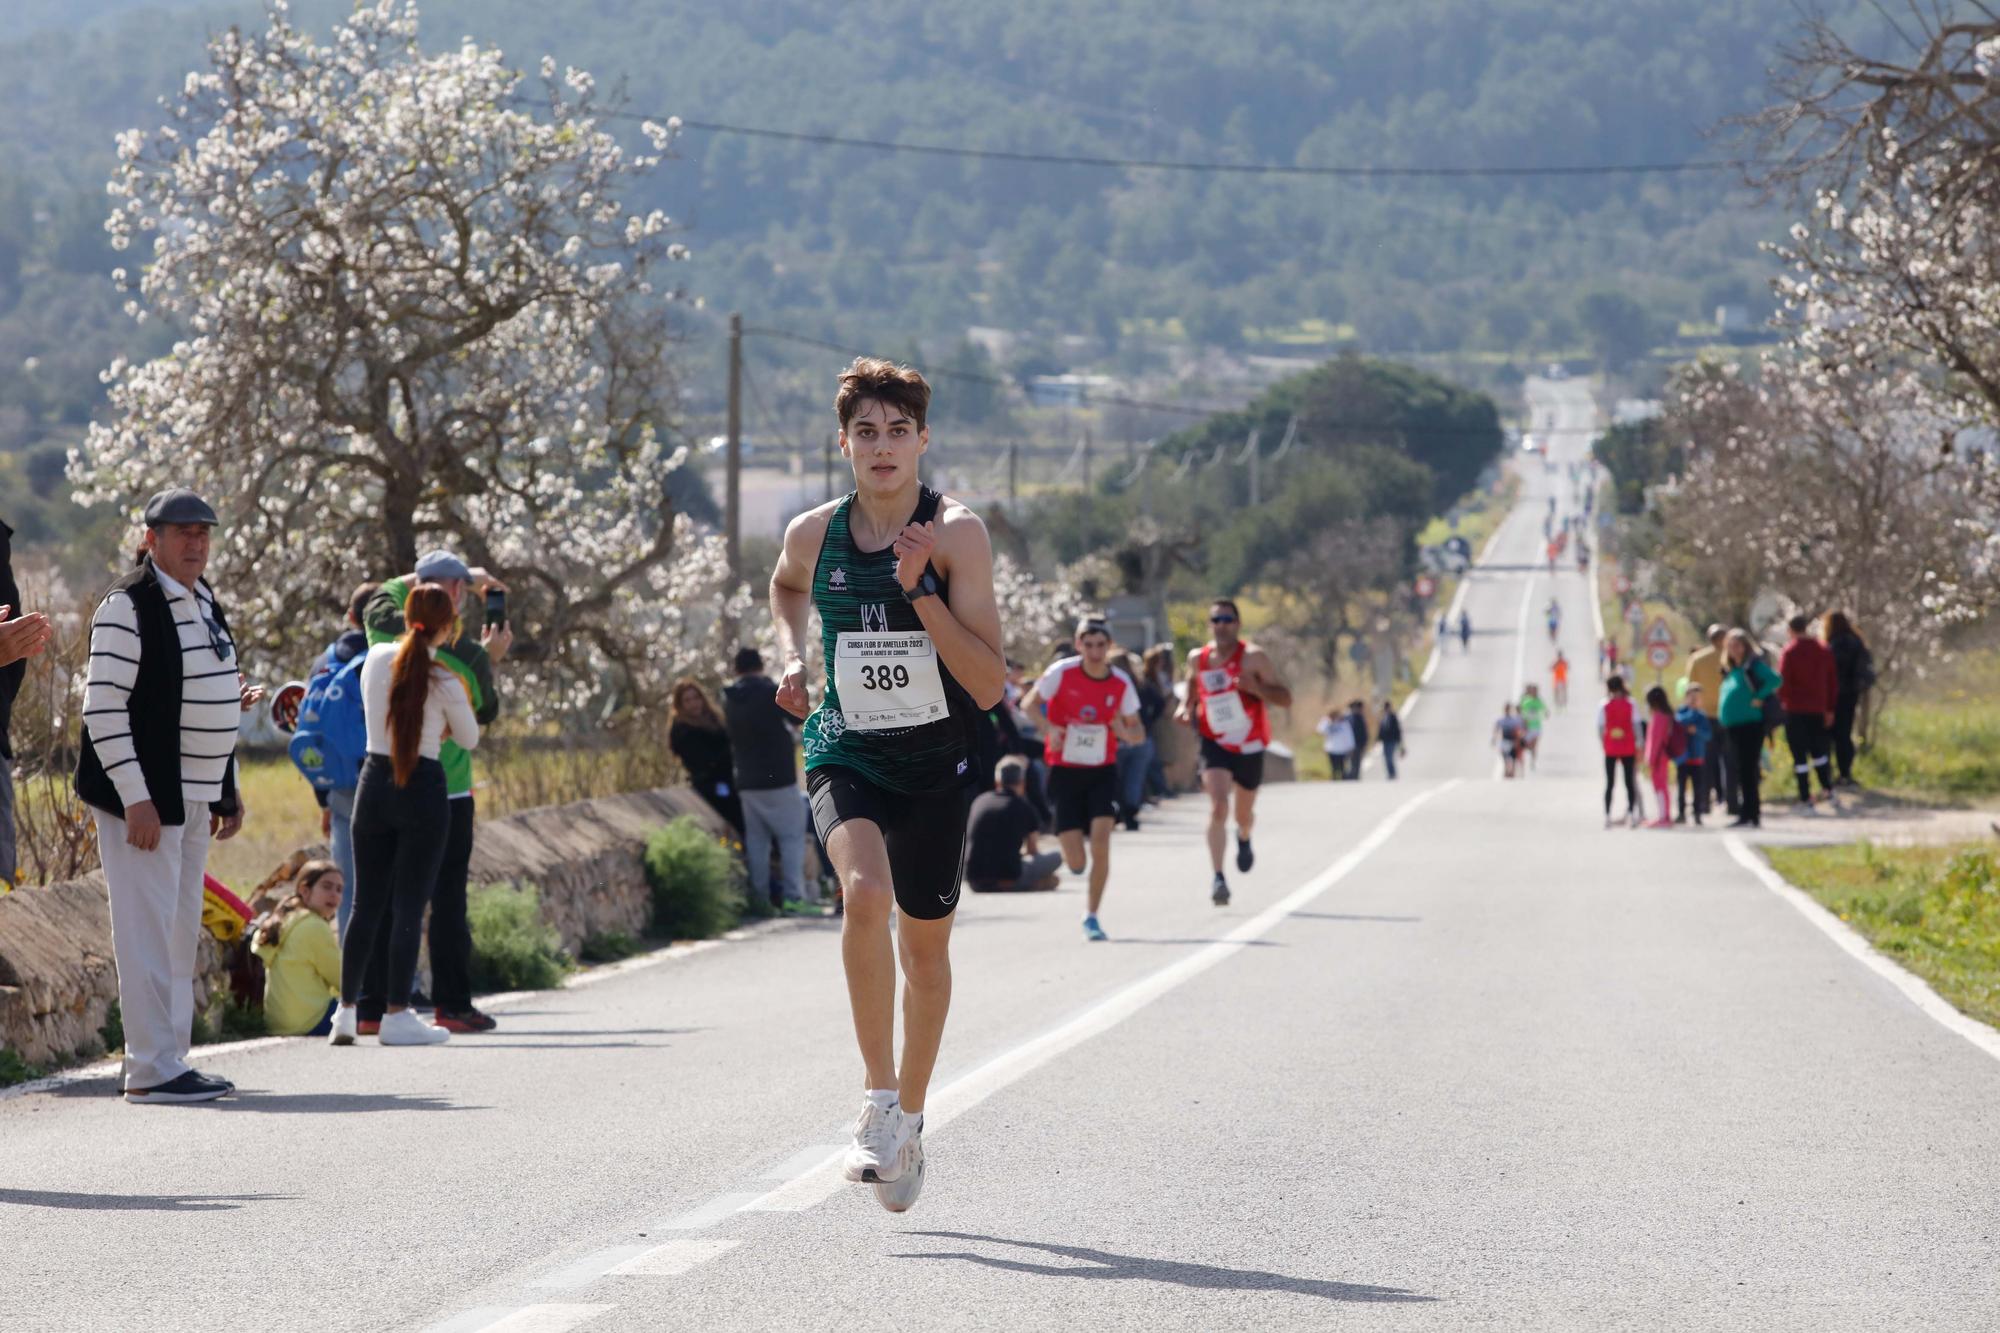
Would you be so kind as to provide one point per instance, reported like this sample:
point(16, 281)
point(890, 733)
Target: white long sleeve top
point(447, 707)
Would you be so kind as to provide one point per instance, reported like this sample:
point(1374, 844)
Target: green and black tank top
point(892, 712)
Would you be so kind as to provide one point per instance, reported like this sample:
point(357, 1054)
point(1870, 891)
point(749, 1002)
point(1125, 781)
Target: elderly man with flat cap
point(158, 767)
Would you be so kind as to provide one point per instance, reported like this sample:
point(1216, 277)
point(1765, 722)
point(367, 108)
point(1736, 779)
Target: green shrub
point(511, 948)
point(113, 1031)
point(13, 1069)
point(698, 884)
point(608, 947)
point(237, 1022)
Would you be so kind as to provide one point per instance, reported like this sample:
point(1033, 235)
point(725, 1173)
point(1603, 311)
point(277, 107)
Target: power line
point(1206, 168)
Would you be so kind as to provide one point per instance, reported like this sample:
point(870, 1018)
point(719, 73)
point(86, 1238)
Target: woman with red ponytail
point(401, 815)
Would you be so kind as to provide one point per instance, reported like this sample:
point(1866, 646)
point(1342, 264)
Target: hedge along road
point(1455, 1057)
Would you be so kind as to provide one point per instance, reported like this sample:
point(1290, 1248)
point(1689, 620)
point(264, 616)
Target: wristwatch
point(927, 586)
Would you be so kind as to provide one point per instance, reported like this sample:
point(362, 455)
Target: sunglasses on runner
point(1222, 620)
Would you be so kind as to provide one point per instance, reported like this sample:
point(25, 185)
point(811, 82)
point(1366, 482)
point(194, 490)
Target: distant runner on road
point(1554, 612)
point(1465, 630)
point(902, 579)
point(1559, 673)
point(1089, 708)
point(1507, 734)
point(1534, 712)
point(1230, 680)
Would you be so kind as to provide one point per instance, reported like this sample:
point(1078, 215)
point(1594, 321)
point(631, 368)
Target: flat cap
point(438, 566)
point(178, 504)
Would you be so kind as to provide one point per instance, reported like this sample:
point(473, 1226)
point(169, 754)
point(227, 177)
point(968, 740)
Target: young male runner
point(1088, 709)
point(902, 579)
point(1230, 680)
point(1534, 713)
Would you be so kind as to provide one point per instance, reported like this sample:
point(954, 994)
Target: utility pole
point(733, 495)
point(1256, 492)
point(1086, 460)
point(1014, 472)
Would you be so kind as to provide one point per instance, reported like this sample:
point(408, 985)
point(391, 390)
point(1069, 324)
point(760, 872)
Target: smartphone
point(496, 607)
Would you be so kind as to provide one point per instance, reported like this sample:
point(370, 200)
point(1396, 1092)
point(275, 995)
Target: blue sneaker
point(1093, 931)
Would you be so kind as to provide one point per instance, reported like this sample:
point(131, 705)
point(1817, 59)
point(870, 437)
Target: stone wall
point(57, 978)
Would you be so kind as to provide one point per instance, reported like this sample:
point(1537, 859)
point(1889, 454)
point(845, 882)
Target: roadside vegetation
point(1935, 910)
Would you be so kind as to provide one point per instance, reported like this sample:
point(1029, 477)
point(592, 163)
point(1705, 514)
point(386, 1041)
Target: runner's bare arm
point(967, 629)
point(1185, 713)
point(1260, 679)
point(1128, 728)
point(791, 605)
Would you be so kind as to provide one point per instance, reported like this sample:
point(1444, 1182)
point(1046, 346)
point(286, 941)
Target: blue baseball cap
point(440, 567)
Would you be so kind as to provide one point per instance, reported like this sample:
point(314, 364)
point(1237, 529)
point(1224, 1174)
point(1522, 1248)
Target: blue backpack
point(332, 738)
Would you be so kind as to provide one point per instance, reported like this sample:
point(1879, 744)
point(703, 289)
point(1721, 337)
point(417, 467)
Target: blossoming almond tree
point(414, 309)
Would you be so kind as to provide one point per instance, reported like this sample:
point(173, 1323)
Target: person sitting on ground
point(1001, 830)
point(301, 956)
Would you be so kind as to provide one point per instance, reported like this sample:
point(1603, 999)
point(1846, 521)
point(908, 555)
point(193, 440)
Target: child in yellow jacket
point(302, 956)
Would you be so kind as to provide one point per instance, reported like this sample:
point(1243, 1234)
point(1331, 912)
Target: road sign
point(1660, 655)
point(1426, 585)
point(1635, 613)
point(1622, 584)
point(1658, 633)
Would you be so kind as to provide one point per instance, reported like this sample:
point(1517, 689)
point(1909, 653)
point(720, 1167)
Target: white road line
point(968, 1090)
point(1914, 988)
point(802, 1161)
point(582, 1272)
point(721, 1206)
point(521, 1319)
point(676, 1257)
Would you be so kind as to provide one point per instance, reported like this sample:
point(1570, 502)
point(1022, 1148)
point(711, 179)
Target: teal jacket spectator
point(1744, 691)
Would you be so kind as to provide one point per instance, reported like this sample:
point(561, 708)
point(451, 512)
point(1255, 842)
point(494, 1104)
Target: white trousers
point(155, 928)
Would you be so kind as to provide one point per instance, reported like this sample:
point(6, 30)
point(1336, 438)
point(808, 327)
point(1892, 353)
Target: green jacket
point(383, 619)
point(1744, 690)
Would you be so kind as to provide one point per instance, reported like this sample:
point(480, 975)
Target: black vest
point(155, 710)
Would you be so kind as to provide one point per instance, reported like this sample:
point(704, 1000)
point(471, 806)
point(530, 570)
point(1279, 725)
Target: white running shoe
point(345, 1021)
point(406, 1028)
point(879, 1136)
point(899, 1194)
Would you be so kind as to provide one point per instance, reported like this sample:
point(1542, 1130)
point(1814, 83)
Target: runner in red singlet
point(1230, 681)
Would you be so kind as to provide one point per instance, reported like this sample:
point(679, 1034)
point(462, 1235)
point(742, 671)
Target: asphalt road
point(1456, 1057)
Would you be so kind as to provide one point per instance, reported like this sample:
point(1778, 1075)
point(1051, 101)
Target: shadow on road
point(480, 1040)
point(1352, 916)
point(1102, 1264)
point(143, 1203)
point(333, 1103)
point(1256, 944)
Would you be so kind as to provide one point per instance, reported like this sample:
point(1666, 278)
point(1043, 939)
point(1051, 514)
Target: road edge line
point(1913, 987)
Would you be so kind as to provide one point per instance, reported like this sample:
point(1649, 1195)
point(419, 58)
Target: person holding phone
point(472, 659)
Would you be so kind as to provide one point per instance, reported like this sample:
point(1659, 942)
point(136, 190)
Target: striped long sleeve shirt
point(211, 708)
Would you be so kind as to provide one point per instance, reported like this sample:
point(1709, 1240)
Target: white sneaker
point(405, 1028)
point(897, 1195)
point(345, 1020)
point(879, 1136)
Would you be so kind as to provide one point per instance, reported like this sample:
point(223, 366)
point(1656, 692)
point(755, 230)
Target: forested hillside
point(871, 246)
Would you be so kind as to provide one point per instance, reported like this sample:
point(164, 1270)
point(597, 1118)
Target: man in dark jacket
point(1808, 686)
point(1357, 720)
point(20, 637)
point(765, 751)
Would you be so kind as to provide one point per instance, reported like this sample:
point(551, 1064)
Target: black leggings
point(451, 935)
point(1806, 734)
point(1693, 775)
point(1843, 734)
point(1612, 763)
point(1746, 743)
point(399, 841)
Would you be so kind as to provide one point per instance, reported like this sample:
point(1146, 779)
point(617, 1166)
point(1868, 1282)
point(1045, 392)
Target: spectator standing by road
point(1662, 746)
point(1002, 851)
point(1697, 731)
point(764, 747)
point(402, 814)
point(1618, 733)
point(471, 659)
point(1357, 722)
point(1336, 736)
point(162, 703)
point(1809, 689)
point(1391, 733)
point(1136, 760)
point(1159, 678)
point(1747, 681)
point(20, 638)
point(1854, 673)
point(1704, 669)
point(697, 738)
point(336, 805)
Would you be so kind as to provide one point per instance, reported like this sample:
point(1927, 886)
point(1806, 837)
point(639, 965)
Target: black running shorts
point(924, 831)
point(1082, 794)
point(1247, 769)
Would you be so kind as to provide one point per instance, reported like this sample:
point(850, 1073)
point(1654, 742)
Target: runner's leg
point(925, 950)
point(1246, 812)
point(1100, 858)
point(861, 861)
point(1217, 782)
